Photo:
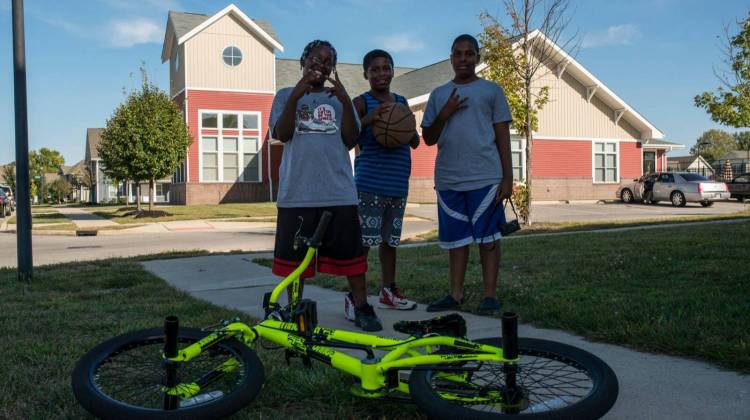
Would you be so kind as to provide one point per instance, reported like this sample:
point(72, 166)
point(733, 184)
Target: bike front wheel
point(122, 378)
point(556, 381)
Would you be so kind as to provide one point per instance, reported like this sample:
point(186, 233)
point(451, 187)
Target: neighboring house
point(224, 74)
point(74, 175)
point(695, 164)
point(104, 190)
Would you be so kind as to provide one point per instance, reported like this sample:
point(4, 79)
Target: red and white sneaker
point(349, 307)
point(391, 298)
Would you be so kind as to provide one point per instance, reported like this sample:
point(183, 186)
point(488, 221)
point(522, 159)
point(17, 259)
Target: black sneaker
point(365, 318)
point(489, 306)
point(445, 304)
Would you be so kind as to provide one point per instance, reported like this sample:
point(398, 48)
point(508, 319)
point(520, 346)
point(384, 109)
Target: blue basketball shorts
point(465, 217)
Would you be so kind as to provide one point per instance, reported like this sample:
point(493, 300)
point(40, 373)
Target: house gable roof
point(93, 138)
point(288, 73)
point(418, 84)
point(686, 161)
point(183, 26)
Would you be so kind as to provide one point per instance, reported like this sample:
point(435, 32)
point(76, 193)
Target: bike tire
point(123, 351)
point(597, 401)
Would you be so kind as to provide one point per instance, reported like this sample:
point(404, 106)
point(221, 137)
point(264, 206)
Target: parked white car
point(679, 188)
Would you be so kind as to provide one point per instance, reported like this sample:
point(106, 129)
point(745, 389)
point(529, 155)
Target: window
point(210, 154)
point(250, 121)
point(229, 121)
point(666, 178)
point(649, 162)
point(232, 56)
point(209, 120)
point(693, 177)
point(517, 153)
point(177, 61)
point(250, 160)
point(742, 179)
point(231, 168)
point(605, 162)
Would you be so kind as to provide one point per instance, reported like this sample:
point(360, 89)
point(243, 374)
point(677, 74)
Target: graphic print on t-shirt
point(321, 120)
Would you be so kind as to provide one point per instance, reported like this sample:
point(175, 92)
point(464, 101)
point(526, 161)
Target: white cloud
point(63, 24)
point(126, 33)
point(614, 35)
point(399, 42)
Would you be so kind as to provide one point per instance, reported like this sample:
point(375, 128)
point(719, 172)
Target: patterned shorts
point(381, 218)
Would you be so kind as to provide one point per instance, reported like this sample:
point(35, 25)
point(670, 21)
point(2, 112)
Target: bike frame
point(378, 375)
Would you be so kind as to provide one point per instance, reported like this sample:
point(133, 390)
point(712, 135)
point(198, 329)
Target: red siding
point(228, 101)
point(630, 160)
point(423, 161)
point(561, 159)
point(660, 161)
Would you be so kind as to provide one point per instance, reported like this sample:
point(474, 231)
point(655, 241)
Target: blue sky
point(655, 54)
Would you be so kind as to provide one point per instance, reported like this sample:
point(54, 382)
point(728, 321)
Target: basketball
point(396, 127)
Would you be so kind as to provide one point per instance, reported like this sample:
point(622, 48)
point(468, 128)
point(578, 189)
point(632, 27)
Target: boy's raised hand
point(337, 89)
point(304, 85)
point(454, 103)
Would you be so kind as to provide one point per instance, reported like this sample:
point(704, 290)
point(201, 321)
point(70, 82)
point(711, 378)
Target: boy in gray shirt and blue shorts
point(469, 120)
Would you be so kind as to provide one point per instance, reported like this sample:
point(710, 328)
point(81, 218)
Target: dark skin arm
point(502, 141)
point(432, 133)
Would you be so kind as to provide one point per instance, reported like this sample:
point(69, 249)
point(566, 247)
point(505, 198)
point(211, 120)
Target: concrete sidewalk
point(651, 386)
point(84, 219)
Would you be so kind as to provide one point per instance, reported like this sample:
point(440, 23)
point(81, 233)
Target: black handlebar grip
point(317, 237)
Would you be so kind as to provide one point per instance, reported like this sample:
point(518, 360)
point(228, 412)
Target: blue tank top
point(378, 169)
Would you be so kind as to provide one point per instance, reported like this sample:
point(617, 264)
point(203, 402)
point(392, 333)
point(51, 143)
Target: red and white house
point(224, 73)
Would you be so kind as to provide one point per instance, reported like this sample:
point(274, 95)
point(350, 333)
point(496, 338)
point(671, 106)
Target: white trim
point(484, 204)
point(561, 138)
point(450, 212)
point(618, 114)
point(242, 57)
point(561, 66)
point(177, 94)
point(457, 244)
point(617, 162)
point(418, 100)
point(268, 92)
point(240, 136)
point(489, 239)
point(243, 17)
point(590, 92)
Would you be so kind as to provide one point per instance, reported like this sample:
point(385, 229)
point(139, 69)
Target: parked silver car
point(679, 188)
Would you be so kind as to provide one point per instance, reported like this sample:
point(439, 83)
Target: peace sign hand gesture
point(337, 89)
point(454, 103)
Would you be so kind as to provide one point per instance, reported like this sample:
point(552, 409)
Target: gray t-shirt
point(467, 156)
point(315, 167)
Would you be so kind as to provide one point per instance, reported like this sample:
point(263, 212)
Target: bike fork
point(512, 394)
point(171, 328)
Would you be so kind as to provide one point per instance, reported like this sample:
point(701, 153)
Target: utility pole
point(23, 208)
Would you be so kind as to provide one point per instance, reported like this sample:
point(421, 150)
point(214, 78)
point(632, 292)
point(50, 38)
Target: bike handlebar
point(317, 237)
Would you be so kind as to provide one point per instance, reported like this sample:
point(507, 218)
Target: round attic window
point(232, 56)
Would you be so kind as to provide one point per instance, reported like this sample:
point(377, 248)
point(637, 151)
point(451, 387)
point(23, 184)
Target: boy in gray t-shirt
point(469, 120)
point(318, 127)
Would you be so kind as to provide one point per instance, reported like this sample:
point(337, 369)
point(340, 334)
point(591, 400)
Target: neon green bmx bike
point(174, 372)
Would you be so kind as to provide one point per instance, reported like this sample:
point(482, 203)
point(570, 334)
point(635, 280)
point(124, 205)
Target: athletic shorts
point(341, 252)
point(381, 219)
point(465, 217)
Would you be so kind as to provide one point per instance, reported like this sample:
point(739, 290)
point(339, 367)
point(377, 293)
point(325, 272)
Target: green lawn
point(119, 214)
point(681, 291)
point(583, 226)
point(42, 218)
point(71, 307)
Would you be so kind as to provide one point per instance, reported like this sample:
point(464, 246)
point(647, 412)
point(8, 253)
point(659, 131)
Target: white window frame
point(523, 157)
point(240, 136)
point(242, 56)
point(617, 161)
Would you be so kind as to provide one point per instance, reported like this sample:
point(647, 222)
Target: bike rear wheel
point(558, 381)
point(122, 378)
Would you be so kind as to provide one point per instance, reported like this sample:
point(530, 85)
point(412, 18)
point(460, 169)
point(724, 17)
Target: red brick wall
point(660, 166)
point(423, 161)
point(630, 161)
point(229, 101)
point(561, 159)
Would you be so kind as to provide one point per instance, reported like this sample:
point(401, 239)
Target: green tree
point(743, 142)
point(713, 144)
point(145, 139)
point(518, 55)
point(9, 176)
point(40, 162)
point(730, 105)
point(59, 190)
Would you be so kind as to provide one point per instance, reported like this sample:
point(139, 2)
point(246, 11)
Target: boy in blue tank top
point(469, 120)
point(382, 179)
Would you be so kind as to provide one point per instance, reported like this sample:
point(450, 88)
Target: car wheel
point(626, 196)
point(678, 199)
point(707, 203)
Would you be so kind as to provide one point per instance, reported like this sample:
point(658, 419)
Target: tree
point(59, 190)
point(41, 162)
point(713, 144)
point(519, 69)
point(9, 176)
point(743, 142)
point(145, 139)
point(730, 105)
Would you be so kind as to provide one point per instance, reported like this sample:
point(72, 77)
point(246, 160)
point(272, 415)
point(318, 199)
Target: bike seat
point(452, 325)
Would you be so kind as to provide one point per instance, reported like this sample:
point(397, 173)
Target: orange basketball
point(395, 127)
